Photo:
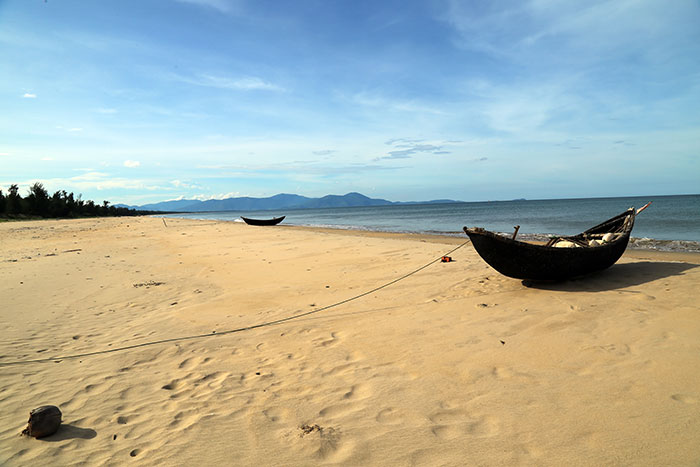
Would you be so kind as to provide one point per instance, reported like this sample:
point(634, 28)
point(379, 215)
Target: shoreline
point(637, 252)
point(636, 243)
point(446, 364)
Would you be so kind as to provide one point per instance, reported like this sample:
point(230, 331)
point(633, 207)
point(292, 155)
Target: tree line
point(38, 203)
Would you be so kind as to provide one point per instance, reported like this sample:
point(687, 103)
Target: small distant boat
point(273, 221)
point(562, 257)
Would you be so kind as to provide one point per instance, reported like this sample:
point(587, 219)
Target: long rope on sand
point(230, 331)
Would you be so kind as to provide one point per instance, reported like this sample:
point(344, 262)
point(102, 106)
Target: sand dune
point(453, 365)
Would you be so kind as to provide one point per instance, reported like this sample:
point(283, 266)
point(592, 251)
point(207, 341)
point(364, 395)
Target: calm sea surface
point(670, 223)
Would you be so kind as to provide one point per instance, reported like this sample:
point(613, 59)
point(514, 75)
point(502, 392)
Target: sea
point(670, 223)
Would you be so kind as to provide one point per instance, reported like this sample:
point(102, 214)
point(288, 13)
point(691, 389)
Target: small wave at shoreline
point(635, 243)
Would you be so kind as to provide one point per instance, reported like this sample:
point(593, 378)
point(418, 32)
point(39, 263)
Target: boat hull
point(273, 221)
point(522, 260)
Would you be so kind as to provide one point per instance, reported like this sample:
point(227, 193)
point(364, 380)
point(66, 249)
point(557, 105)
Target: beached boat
point(273, 221)
point(562, 257)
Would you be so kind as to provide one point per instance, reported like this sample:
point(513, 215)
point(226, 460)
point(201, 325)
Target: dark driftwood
point(522, 260)
point(273, 221)
point(43, 421)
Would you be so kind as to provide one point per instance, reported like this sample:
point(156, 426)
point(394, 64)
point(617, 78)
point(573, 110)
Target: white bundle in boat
point(566, 244)
point(606, 238)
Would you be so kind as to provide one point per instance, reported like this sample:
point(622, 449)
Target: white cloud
point(523, 109)
point(181, 184)
point(100, 181)
point(251, 83)
point(74, 129)
point(246, 83)
point(404, 148)
point(90, 176)
point(566, 33)
point(29, 95)
point(376, 101)
point(324, 152)
point(231, 194)
point(131, 164)
point(221, 5)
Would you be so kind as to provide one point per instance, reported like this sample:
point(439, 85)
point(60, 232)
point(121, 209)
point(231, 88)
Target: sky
point(140, 101)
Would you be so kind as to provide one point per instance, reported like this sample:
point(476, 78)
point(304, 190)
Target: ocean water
point(670, 223)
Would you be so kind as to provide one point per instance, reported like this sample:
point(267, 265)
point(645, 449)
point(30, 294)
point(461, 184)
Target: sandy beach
point(452, 365)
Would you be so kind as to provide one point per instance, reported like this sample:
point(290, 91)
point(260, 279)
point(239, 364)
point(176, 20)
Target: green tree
point(60, 204)
point(14, 201)
point(38, 200)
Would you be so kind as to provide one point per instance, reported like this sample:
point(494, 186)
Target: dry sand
point(453, 365)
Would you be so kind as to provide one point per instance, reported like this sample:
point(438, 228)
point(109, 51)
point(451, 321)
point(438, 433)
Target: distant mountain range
point(281, 201)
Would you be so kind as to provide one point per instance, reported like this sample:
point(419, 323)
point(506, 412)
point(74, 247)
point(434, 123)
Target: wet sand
point(452, 365)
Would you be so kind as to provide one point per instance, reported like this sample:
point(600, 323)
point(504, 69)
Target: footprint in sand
point(358, 391)
point(389, 416)
point(685, 398)
point(276, 414)
point(185, 419)
point(446, 431)
point(173, 385)
point(450, 424)
point(616, 349)
point(192, 362)
point(443, 417)
point(337, 410)
point(322, 342)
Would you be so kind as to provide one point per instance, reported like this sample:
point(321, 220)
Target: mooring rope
point(230, 331)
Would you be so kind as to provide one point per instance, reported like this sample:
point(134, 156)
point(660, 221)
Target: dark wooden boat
point(586, 253)
point(273, 221)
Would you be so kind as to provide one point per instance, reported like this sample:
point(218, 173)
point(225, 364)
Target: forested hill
point(280, 201)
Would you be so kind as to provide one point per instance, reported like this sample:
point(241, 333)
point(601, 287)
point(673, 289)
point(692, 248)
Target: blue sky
point(137, 101)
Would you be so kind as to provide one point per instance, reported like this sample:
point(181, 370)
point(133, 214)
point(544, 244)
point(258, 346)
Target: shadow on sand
point(616, 277)
point(66, 431)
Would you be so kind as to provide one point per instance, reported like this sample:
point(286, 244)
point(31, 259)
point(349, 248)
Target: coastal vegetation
point(39, 204)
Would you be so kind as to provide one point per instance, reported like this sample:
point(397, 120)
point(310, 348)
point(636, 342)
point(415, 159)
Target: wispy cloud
point(525, 108)
point(131, 164)
point(244, 83)
point(582, 33)
point(398, 105)
point(185, 185)
point(29, 95)
point(90, 176)
point(100, 181)
point(324, 152)
point(74, 129)
point(230, 194)
point(223, 6)
point(405, 148)
point(291, 169)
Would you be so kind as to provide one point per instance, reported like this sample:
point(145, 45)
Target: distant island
point(280, 201)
